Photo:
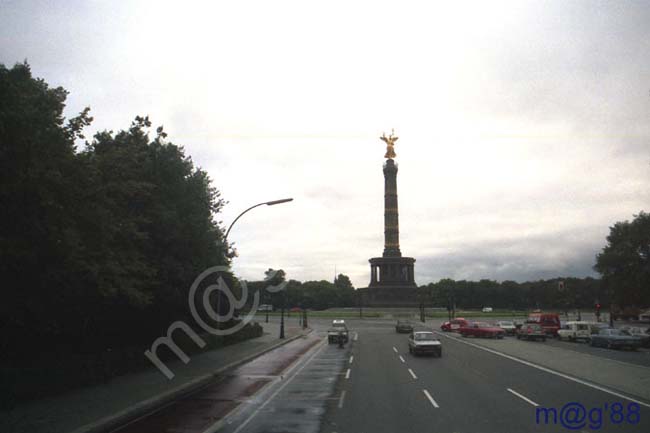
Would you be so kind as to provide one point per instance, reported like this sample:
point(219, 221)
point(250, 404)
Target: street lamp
point(268, 203)
point(225, 242)
point(284, 301)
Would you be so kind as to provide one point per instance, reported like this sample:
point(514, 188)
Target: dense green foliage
point(624, 262)
point(317, 295)
point(576, 293)
point(98, 247)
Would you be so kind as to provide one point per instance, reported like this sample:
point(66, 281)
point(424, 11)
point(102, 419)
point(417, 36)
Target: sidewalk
point(78, 409)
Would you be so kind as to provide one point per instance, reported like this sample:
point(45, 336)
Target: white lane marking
point(356, 336)
point(347, 374)
point(522, 397)
point(395, 350)
point(412, 374)
point(548, 370)
point(401, 359)
point(341, 399)
point(277, 391)
point(433, 402)
point(351, 359)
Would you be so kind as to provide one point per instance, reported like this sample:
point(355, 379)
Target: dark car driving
point(404, 326)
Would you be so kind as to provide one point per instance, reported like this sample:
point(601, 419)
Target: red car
point(480, 329)
point(454, 324)
point(550, 322)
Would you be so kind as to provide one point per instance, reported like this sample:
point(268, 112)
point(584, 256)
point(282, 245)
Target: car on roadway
point(531, 331)
point(550, 322)
point(265, 307)
point(404, 326)
point(508, 326)
point(615, 339)
point(295, 310)
point(487, 309)
point(576, 331)
point(454, 325)
point(424, 342)
point(338, 330)
point(482, 329)
point(642, 333)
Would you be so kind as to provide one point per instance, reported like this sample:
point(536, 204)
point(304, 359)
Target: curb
point(144, 407)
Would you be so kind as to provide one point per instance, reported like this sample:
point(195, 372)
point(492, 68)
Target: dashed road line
point(347, 374)
point(351, 359)
point(401, 358)
point(413, 374)
point(548, 370)
point(433, 402)
point(341, 399)
point(356, 336)
point(522, 397)
point(395, 349)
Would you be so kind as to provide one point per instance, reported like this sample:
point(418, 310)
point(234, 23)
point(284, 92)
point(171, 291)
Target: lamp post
point(284, 301)
point(225, 243)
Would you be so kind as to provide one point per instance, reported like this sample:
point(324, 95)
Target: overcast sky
point(524, 126)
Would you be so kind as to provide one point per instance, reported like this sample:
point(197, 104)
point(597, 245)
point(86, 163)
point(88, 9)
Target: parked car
point(295, 310)
point(576, 331)
point(550, 322)
point(338, 330)
point(424, 342)
point(404, 326)
point(487, 309)
point(507, 326)
point(531, 331)
point(454, 324)
point(265, 307)
point(642, 333)
point(481, 329)
point(615, 339)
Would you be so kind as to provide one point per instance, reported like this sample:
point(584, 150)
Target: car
point(576, 331)
point(295, 310)
point(615, 339)
point(481, 329)
point(639, 332)
point(531, 331)
point(550, 322)
point(487, 309)
point(338, 330)
point(265, 307)
point(507, 326)
point(454, 324)
point(404, 326)
point(424, 342)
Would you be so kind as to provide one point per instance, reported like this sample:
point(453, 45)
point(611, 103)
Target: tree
point(344, 291)
point(624, 262)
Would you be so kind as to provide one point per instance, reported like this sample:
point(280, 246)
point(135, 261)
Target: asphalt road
point(374, 385)
point(469, 389)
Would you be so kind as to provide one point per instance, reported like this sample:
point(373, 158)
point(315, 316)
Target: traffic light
point(598, 309)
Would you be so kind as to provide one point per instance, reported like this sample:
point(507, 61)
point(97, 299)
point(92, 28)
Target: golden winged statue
point(390, 144)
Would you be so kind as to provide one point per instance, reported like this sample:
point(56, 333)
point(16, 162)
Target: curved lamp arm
point(268, 203)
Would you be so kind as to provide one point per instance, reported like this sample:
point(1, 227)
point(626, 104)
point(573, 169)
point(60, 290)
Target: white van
point(575, 331)
point(487, 309)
